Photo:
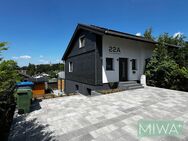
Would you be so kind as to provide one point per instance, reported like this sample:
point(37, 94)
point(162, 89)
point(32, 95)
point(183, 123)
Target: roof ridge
point(117, 31)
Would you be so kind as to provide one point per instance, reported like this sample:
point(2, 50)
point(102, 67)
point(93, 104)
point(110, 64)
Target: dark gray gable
point(80, 30)
point(90, 43)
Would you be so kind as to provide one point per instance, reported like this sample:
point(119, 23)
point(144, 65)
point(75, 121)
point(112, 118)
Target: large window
point(70, 67)
point(134, 64)
point(109, 63)
point(82, 41)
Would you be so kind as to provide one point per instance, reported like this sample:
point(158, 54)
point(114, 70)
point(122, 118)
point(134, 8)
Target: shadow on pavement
point(35, 105)
point(25, 129)
point(29, 130)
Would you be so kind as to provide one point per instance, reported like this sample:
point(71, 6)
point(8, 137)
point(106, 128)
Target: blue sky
point(38, 31)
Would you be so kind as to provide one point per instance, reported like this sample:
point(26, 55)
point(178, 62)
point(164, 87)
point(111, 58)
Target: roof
point(117, 33)
point(106, 31)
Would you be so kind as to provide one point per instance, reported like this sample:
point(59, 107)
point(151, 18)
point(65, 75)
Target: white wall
point(130, 49)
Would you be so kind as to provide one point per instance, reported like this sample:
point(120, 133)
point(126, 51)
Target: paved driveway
point(101, 118)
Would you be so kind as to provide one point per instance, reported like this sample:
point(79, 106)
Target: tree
point(179, 55)
point(3, 46)
point(8, 74)
point(31, 69)
point(148, 34)
point(44, 68)
point(8, 71)
point(168, 66)
point(155, 70)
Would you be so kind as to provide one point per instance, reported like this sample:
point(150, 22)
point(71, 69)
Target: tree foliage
point(8, 74)
point(31, 69)
point(148, 34)
point(8, 71)
point(52, 69)
point(168, 66)
point(3, 46)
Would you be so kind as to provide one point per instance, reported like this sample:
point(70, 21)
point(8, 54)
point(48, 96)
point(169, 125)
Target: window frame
point(112, 63)
point(70, 66)
point(82, 41)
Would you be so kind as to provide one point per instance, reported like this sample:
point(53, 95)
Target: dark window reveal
point(89, 91)
point(109, 63)
point(77, 88)
point(133, 64)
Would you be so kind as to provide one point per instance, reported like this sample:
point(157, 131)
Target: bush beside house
point(168, 67)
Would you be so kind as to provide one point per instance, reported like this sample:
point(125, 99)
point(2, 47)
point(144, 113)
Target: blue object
point(21, 84)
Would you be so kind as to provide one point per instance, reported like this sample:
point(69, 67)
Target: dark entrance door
point(123, 67)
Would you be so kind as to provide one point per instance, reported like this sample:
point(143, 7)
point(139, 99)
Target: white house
point(97, 57)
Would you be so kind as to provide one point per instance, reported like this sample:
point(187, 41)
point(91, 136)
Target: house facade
point(98, 56)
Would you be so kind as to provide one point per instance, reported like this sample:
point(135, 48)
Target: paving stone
point(86, 137)
point(103, 117)
point(171, 138)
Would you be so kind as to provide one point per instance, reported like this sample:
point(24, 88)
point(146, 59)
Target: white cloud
point(138, 34)
point(22, 57)
point(41, 56)
point(25, 57)
point(177, 34)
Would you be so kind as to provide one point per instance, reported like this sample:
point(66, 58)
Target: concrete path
point(110, 117)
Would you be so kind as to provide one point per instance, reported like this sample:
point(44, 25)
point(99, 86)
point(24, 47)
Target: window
point(82, 41)
point(109, 63)
point(133, 64)
point(70, 67)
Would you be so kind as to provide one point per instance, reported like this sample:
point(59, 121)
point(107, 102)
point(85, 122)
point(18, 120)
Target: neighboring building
point(39, 86)
point(41, 75)
point(53, 83)
point(61, 77)
point(97, 56)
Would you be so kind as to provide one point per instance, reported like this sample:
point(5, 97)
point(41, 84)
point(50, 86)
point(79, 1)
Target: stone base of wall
point(73, 86)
